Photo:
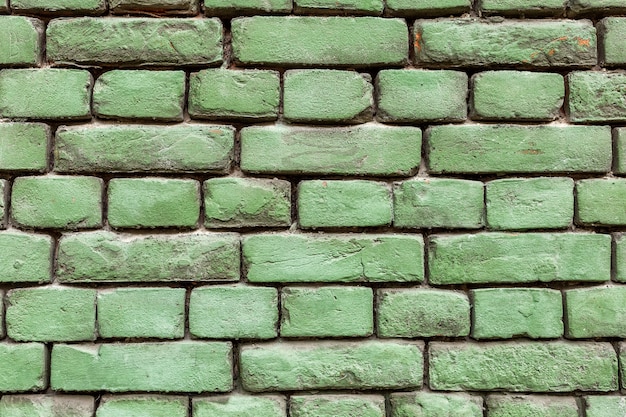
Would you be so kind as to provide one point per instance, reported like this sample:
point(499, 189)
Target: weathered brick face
point(312, 208)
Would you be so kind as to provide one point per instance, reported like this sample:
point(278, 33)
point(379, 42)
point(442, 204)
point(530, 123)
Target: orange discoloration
point(583, 42)
point(418, 40)
point(551, 52)
point(562, 38)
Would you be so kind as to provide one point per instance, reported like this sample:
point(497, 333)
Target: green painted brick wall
point(312, 208)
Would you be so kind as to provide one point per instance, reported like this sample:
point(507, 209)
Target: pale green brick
point(427, 7)
point(153, 202)
point(516, 258)
point(37, 93)
point(602, 406)
point(233, 312)
point(421, 96)
point(596, 97)
point(530, 203)
point(4, 191)
point(503, 313)
point(60, 7)
point(596, 312)
point(354, 7)
point(143, 406)
point(22, 367)
point(20, 39)
point(620, 258)
point(347, 96)
point(531, 405)
point(337, 406)
point(25, 257)
point(140, 94)
point(142, 312)
point(50, 405)
point(132, 41)
point(601, 201)
point(469, 42)
point(422, 313)
point(24, 147)
point(514, 148)
point(438, 202)
point(523, 366)
point(428, 404)
point(240, 406)
point(337, 258)
point(595, 7)
point(2, 309)
point(247, 202)
point(369, 149)
point(57, 202)
point(246, 7)
point(327, 312)
point(167, 7)
point(517, 95)
point(331, 365)
point(107, 257)
point(352, 203)
point(251, 95)
point(620, 151)
point(141, 148)
point(187, 366)
point(523, 7)
point(308, 41)
point(612, 31)
point(49, 314)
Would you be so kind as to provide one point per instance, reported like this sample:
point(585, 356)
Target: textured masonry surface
point(312, 208)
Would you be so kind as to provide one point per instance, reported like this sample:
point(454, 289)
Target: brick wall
point(355, 208)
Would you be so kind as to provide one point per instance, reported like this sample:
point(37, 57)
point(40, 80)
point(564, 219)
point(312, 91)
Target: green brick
point(363, 150)
point(153, 202)
point(327, 312)
point(51, 405)
point(337, 258)
point(306, 41)
point(107, 257)
point(596, 312)
point(140, 148)
point(544, 149)
point(531, 405)
point(503, 313)
point(523, 366)
point(530, 203)
point(596, 97)
point(346, 98)
point(601, 201)
point(57, 202)
point(239, 406)
point(247, 202)
point(22, 367)
point(25, 257)
point(517, 258)
point(134, 41)
point(337, 406)
point(620, 258)
point(352, 203)
point(421, 96)
point(37, 93)
point(187, 366)
point(420, 312)
point(49, 314)
point(4, 191)
point(142, 312)
point(143, 406)
point(2, 309)
point(354, 7)
point(620, 151)
point(438, 202)
point(612, 31)
point(24, 147)
point(139, 94)
point(427, 7)
point(246, 7)
point(60, 7)
point(20, 40)
point(523, 7)
point(331, 365)
point(428, 404)
point(168, 7)
point(517, 95)
point(601, 406)
point(233, 312)
point(251, 95)
point(524, 43)
point(595, 7)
